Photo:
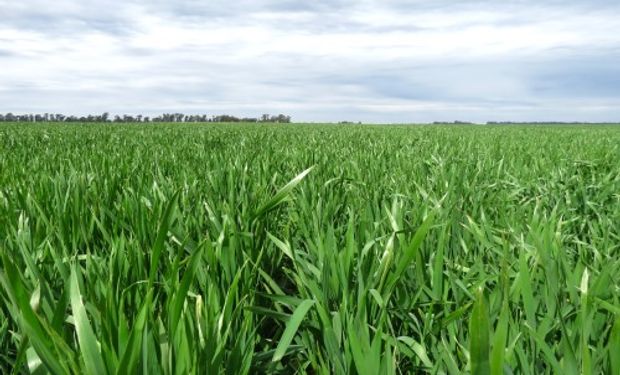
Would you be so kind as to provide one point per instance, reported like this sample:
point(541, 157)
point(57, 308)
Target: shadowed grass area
point(243, 249)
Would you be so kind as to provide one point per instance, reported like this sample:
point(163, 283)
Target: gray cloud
point(6, 53)
point(382, 61)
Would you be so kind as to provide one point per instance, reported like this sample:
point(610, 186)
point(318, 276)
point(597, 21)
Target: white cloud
point(368, 61)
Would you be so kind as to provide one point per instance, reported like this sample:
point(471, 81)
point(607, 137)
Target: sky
point(335, 60)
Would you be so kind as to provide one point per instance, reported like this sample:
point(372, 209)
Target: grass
point(243, 249)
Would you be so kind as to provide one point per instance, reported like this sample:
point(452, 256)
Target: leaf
point(410, 252)
point(281, 195)
point(548, 352)
point(180, 295)
point(586, 358)
point(35, 329)
point(375, 294)
point(479, 336)
point(291, 329)
point(355, 346)
point(131, 354)
point(162, 233)
point(526, 291)
point(284, 246)
point(86, 337)
point(418, 349)
point(614, 347)
point(499, 340)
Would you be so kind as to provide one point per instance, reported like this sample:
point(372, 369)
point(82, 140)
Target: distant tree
point(166, 117)
point(283, 118)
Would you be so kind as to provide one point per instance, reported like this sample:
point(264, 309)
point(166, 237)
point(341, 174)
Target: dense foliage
point(178, 249)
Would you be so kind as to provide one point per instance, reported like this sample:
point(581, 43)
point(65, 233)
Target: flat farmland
point(309, 248)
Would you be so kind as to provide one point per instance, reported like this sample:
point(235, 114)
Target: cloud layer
point(374, 61)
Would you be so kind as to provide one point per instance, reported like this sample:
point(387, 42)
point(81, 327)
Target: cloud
point(325, 60)
point(5, 53)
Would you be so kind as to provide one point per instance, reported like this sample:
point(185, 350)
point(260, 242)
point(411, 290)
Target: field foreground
point(244, 249)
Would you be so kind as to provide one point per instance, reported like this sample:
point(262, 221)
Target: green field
point(319, 249)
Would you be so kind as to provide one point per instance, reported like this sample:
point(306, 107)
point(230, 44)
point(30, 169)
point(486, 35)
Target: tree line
point(546, 123)
point(166, 117)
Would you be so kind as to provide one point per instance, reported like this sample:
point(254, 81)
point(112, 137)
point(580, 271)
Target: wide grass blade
point(479, 336)
point(409, 253)
point(614, 347)
point(162, 234)
point(291, 329)
point(50, 351)
point(281, 195)
point(499, 341)
point(90, 352)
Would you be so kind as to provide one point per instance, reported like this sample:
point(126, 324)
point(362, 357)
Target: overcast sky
point(374, 61)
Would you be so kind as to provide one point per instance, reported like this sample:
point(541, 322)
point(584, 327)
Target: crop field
point(310, 249)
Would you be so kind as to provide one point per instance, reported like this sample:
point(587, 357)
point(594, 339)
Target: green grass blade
point(614, 347)
point(281, 195)
point(479, 336)
point(46, 349)
point(291, 329)
point(162, 234)
point(499, 340)
point(410, 252)
point(89, 345)
point(180, 294)
point(131, 354)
